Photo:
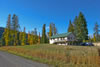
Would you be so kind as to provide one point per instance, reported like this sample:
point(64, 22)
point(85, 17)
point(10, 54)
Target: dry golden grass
point(59, 56)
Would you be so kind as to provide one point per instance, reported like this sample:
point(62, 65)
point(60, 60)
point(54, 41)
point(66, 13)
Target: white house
point(63, 39)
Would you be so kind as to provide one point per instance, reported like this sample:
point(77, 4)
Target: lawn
point(59, 56)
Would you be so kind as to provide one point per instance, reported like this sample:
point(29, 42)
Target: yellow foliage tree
point(6, 36)
point(39, 38)
point(50, 31)
point(23, 38)
point(28, 41)
point(94, 38)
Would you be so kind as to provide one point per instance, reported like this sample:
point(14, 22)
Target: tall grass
point(59, 56)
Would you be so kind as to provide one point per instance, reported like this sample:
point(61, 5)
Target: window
point(69, 38)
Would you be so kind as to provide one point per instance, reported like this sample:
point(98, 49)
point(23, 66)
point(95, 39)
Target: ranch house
point(63, 39)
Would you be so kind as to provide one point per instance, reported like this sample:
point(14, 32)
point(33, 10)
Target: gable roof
point(61, 35)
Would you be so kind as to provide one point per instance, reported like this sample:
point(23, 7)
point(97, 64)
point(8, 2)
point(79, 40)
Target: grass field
point(59, 56)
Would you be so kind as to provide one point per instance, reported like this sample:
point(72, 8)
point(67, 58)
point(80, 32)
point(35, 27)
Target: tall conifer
point(71, 27)
point(43, 39)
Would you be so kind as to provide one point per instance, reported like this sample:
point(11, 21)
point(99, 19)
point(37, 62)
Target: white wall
point(51, 41)
point(71, 37)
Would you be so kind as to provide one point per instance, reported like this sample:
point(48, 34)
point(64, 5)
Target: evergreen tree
point(43, 39)
point(35, 31)
point(80, 26)
point(8, 26)
point(15, 25)
point(71, 27)
point(55, 30)
point(15, 29)
point(96, 31)
point(75, 24)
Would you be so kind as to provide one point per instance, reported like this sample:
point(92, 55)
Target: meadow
point(58, 56)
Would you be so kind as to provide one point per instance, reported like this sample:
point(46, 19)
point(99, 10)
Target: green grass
point(58, 56)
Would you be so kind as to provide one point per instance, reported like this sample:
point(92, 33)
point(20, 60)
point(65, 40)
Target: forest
point(13, 35)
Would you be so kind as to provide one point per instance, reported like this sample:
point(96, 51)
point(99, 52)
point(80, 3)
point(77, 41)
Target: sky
point(34, 13)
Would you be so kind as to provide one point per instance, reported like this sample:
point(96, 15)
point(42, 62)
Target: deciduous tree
point(7, 32)
point(39, 38)
point(50, 31)
point(23, 37)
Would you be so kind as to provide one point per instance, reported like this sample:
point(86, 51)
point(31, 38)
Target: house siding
point(62, 40)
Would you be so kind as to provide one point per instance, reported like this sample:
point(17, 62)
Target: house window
point(61, 38)
point(69, 38)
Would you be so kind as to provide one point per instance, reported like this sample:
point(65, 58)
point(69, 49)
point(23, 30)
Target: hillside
point(1, 31)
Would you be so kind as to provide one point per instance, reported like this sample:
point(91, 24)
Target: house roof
point(61, 35)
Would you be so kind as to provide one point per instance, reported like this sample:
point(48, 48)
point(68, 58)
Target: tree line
point(79, 28)
point(13, 35)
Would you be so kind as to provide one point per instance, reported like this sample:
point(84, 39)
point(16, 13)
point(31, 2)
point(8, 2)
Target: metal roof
point(61, 35)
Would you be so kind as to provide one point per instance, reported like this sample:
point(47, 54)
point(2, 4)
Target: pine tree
point(35, 31)
point(80, 27)
point(55, 31)
point(83, 26)
point(75, 24)
point(53, 28)
point(43, 39)
point(15, 25)
point(50, 31)
point(15, 29)
point(8, 26)
point(96, 31)
point(71, 27)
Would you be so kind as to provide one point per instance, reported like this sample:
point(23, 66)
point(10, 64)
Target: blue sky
point(34, 13)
